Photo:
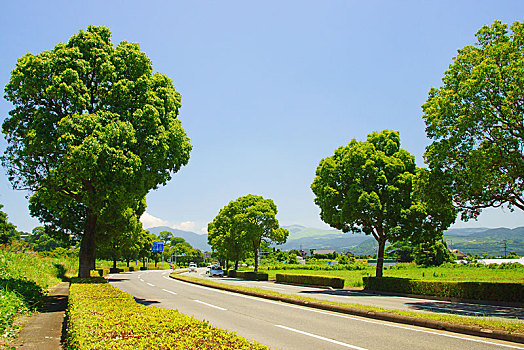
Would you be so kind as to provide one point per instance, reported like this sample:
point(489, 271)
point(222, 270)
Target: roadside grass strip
point(487, 325)
point(101, 316)
point(23, 280)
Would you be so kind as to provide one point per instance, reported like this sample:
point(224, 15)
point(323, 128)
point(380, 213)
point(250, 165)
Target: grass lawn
point(353, 278)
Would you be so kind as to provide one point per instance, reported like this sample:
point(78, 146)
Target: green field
point(463, 273)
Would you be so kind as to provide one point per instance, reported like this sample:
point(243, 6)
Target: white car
point(192, 267)
point(216, 271)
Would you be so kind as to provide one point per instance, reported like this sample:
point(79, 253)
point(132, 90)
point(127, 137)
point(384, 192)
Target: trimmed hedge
point(101, 316)
point(248, 275)
point(509, 292)
point(335, 282)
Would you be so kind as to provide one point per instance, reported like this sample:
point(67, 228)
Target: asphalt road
point(386, 302)
point(284, 326)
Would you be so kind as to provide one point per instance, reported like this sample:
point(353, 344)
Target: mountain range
point(479, 241)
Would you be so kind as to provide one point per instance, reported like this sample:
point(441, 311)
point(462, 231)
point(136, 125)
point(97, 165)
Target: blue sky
point(268, 88)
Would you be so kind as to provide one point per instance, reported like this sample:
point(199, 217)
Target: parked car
point(216, 271)
point(208, 268)
point(192, 267)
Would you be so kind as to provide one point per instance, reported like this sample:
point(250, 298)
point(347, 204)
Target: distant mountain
point(307, 238)
point(472, 241)
point(464, 231)
point(493, 241)
point(196, 240)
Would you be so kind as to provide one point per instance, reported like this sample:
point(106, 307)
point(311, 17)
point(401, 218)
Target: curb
point(384, 316)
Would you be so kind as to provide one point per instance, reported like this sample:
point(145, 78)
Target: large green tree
point(245, 222)
point(374, 187)
point(226, 237)
point(92, 127)
point(476, 122)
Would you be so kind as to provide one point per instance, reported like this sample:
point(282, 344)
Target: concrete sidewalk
point(45, 330)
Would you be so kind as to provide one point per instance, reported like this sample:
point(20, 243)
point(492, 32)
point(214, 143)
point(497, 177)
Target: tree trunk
point(256, 259)
point(127, 262)
point(86, 256)
point(114, 262)
point(236, 264)
point(380, 257)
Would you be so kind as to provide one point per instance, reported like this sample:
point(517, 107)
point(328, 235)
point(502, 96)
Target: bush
point(509, 292)
point(248, 275)
point(103, 317)
point(335, 282)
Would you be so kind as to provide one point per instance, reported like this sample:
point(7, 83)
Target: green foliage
point(335, 282)
point(7, 229)
point(248, 275)
point(23, 279)
point(243, 225)
point(92, 130)
point(46, 239)
point(103, 317)
point(509, 292)
point(475, 121)
point(433, 254)
point(375, 188)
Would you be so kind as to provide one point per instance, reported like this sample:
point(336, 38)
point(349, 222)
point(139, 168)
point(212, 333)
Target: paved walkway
point(44, 330)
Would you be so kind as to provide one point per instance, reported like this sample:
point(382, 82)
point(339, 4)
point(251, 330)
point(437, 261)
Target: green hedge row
point(510, 292)
point(335, 282)
point(248, 275)
point(103, 317)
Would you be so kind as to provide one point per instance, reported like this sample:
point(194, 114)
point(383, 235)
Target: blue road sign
point(158, 246)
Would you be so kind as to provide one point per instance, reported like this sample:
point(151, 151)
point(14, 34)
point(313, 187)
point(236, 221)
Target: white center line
point(321, 338)
point(168, 291)
point(152, 285)
point(216, 307)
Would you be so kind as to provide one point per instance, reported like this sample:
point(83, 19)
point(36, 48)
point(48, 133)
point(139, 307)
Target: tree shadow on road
point(146, 302)
point(468, 309)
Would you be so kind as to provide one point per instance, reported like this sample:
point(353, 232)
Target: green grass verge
point(101, 316)
point(447, 272)
point(485, 323)
point(24, 278)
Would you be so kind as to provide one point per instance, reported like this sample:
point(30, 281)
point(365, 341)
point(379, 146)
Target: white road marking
point(321, 338)
point(152, 285)
point(210, 305)
point(168, 291)
point(449, 309)
point(353, 318)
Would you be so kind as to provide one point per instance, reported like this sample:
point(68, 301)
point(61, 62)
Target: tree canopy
point(92, 127)
point(7, 229)
point(243, 224)
point(476, 122)
point(374, 187)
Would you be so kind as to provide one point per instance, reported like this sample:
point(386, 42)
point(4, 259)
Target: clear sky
point(268, 88)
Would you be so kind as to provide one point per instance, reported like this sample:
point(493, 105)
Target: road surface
point(383, 301)
point(285, 326)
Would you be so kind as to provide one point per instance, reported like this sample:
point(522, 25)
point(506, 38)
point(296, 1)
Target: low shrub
point(248, 275)
point(316, 267)
point(509, 292)
point(335, 282)
point(103, 317)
